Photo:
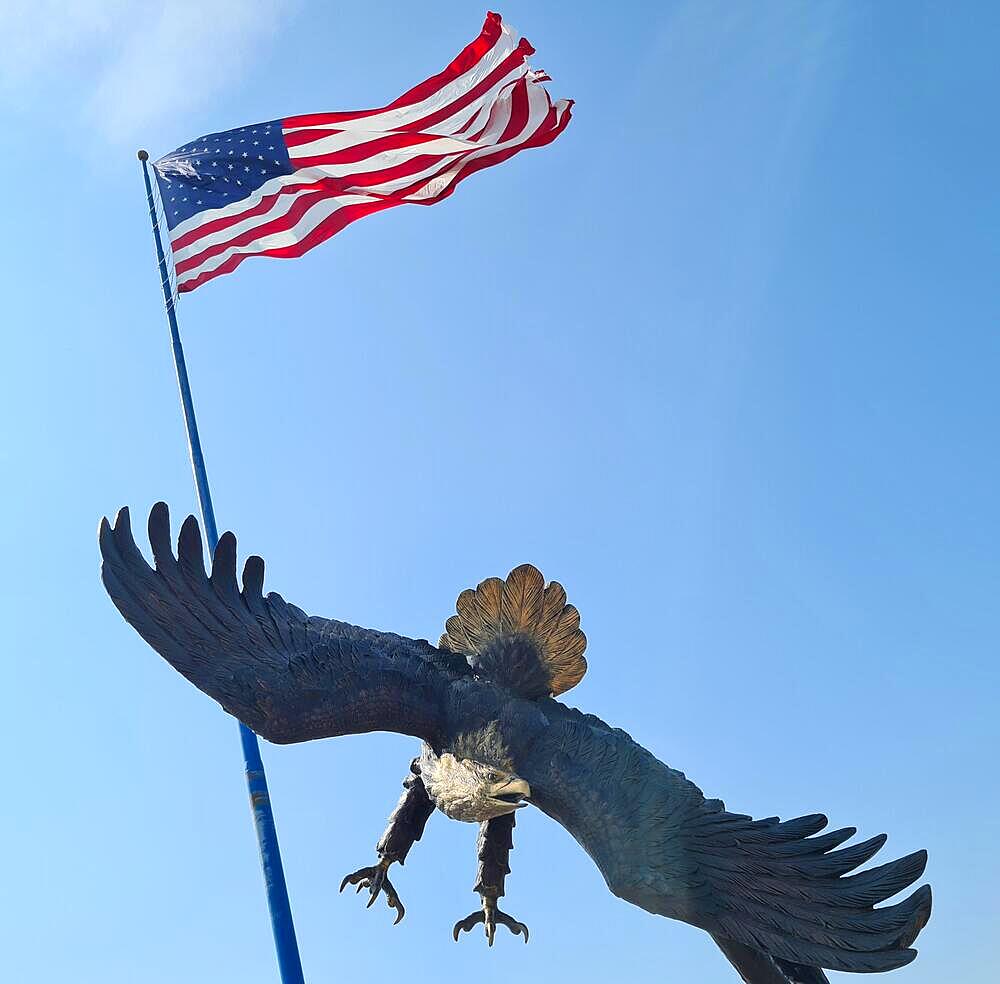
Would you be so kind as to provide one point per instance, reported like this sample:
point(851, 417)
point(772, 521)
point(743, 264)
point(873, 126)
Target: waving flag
point(280, 188)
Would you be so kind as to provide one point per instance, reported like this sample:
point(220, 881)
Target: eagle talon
point(490, 916)
point(376, 880)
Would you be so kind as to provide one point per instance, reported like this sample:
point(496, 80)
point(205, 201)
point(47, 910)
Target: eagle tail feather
point(519, 632)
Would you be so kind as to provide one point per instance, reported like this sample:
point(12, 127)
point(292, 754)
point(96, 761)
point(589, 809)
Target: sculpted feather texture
point(781, 899)
point(521, 613)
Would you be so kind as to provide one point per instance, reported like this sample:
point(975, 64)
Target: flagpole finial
point(143, 155)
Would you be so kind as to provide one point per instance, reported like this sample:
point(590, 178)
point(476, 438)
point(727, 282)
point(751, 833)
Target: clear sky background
point(723, 360)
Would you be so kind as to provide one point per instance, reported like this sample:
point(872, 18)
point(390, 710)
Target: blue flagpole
point(289, 964)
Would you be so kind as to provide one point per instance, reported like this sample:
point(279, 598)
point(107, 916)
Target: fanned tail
point(519, 632)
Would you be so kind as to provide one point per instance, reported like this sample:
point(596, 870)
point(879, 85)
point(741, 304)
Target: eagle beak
point(512, 793)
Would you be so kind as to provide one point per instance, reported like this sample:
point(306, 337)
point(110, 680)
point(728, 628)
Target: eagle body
point(781, 899)
point(603, 787)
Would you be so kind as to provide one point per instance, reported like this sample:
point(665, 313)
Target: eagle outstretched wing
point(785, 888)
point(781, 889)
point(287, 675)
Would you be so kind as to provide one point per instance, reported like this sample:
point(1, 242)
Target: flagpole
point(289, 964)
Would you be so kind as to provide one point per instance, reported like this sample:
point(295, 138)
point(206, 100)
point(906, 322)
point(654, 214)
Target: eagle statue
point(775, 895)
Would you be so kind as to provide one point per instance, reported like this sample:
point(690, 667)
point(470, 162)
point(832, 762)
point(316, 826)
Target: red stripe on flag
point(367, 182)
point(327, 228)
point(362, 151)
point(518, 112)
point(515, 58)
point(547, 131)
point(333, 185)
point(299, 137)
point(281, 223)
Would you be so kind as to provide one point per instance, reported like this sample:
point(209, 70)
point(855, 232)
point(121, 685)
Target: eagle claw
point(376, 880)
point(490, 916)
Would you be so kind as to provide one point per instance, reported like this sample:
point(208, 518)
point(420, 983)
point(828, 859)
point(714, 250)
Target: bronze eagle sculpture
point(775, 896)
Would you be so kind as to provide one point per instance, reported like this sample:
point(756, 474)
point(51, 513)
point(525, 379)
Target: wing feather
point(777, 887)
point(288, 676)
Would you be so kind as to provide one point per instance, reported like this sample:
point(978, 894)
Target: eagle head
point(465, 789)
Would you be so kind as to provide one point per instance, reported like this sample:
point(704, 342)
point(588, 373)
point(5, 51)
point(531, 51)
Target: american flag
point(280, 188)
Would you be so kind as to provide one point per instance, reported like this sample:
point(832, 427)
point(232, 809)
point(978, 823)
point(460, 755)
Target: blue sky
point(723, 360)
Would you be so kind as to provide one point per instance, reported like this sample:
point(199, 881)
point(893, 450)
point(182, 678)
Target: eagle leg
point(495, 843)
point(406, 825)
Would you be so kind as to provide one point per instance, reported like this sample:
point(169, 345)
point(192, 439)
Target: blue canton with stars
point(219, 169)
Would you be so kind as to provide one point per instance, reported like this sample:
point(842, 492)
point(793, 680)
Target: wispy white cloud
point(133, 64)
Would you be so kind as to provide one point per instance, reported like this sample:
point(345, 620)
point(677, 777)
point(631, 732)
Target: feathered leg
point(496, 839)
point(406, 825)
